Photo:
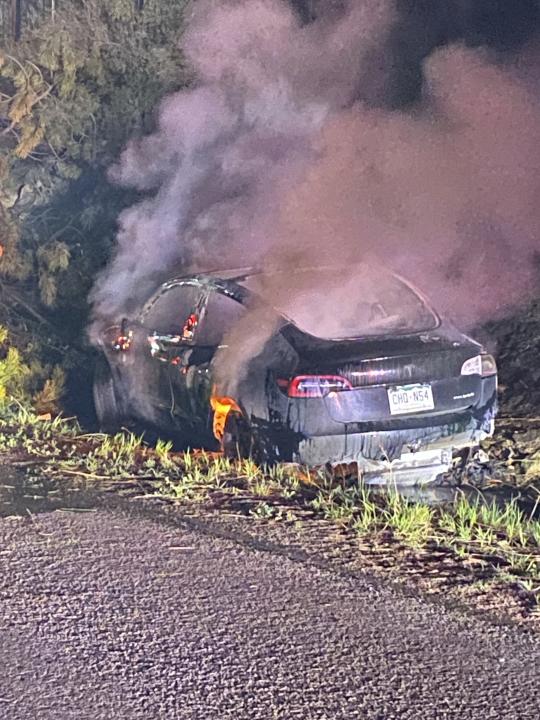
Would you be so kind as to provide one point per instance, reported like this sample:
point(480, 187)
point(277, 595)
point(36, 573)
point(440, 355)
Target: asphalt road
point(104, 615)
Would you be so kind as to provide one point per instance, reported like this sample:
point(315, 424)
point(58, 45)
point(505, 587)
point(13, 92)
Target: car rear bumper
point(405, 457)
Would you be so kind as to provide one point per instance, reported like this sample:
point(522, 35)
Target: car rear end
point(379, 379)
point(400, 407)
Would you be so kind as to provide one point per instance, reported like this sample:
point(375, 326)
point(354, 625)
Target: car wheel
point(240, 442)
point(237, 439)
point(108, 411)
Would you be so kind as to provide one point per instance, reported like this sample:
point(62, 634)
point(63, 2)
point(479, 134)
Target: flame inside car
point(189, 327)
point(221, 406)
point(123, 342)
point(118, 338)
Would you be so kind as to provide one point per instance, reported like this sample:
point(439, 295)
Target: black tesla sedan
point(354, 367)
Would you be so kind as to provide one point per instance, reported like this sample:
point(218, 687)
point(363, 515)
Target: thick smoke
point(265, 88)
point(289, 152)
point(446, 196)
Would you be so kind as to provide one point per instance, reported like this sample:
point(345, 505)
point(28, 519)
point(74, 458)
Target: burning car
point(346, 367)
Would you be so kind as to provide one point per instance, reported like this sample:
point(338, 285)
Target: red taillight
point(316, 386)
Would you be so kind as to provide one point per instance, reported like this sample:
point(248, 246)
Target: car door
point(170, 319)
point(193, 376)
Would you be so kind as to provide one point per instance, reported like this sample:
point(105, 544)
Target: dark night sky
point(423, 25)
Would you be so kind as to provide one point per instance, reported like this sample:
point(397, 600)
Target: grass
point(504, 535)
point(411, 522)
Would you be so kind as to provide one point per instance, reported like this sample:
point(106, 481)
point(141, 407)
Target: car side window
point(222, 313)
point(169, 311)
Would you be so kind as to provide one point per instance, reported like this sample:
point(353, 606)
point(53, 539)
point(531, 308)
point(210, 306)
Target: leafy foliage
point(74, 88)
point(13, 374)
point(25, 381)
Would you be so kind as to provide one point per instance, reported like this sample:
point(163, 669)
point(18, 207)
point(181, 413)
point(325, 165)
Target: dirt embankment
point(516, 342)
point(514, 452)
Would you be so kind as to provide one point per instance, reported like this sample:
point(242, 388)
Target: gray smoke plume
point(265, 87)
point(284, 154)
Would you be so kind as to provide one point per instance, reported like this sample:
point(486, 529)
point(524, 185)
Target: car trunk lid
point(383, 361)
point(393, 379)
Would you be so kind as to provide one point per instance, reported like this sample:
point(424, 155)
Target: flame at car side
point(222, 406)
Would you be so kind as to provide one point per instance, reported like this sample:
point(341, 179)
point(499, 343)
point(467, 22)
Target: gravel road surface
point(108, 615)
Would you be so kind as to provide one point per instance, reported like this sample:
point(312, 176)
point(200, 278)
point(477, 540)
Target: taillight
point(316, 386)
point(483, 365)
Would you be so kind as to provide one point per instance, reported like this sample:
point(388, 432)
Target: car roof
point(241, 283)
point(230, 274)
point(240, 278)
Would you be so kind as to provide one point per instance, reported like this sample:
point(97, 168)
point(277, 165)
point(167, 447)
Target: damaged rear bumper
point(404, 457)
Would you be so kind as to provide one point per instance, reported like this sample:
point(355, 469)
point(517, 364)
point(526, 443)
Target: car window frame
point(223, 292)
point(200, 303)
point(161, 291)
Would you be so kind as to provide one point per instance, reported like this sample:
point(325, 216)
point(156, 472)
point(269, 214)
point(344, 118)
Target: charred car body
point(387, 385)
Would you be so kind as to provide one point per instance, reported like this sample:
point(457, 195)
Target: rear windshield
point(345, 302)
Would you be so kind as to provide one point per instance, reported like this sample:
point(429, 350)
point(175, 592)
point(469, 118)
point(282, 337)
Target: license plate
point(410, 398)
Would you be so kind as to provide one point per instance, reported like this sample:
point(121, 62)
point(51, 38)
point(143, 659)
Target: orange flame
point(221, 406)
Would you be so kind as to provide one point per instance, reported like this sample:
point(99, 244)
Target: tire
point(237, 439)
point(241, 442)
point(108, 411)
